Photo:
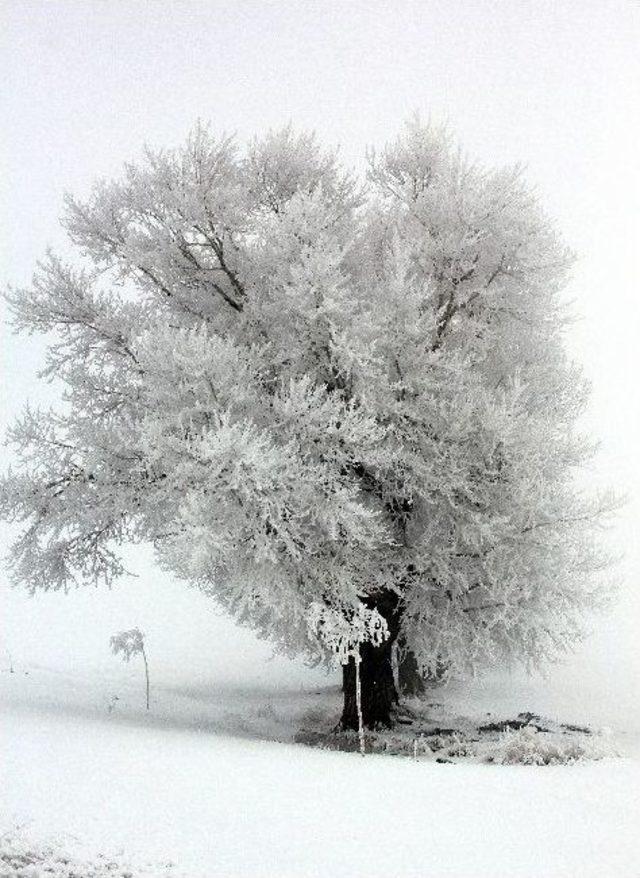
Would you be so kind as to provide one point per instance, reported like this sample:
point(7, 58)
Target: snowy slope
point(209, 780)
point(219, 805)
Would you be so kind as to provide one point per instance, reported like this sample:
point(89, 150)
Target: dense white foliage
point(305, 390)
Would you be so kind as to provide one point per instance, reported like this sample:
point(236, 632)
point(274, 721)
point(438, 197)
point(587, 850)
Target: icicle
point(357, 660)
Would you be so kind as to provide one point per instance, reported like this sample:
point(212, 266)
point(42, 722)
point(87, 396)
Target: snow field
point(209, 780)
point(161, 790)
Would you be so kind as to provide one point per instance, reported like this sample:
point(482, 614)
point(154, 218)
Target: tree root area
point(428, 733)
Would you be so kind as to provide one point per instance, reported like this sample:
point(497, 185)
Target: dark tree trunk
point(410, 681)
point(379, 694)
point(378, 689)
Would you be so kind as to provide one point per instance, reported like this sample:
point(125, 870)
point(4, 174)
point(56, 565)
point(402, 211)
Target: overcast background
point(554, 85)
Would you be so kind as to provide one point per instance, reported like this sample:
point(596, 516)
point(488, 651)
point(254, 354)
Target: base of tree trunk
point(379, 694)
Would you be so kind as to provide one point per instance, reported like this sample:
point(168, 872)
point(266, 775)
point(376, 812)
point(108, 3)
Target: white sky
point(554, 85)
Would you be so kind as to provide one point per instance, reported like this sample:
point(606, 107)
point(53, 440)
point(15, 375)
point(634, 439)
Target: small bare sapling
point(10, 657)
point(130, 643)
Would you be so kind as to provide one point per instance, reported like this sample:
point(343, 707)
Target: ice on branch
point(342, 632)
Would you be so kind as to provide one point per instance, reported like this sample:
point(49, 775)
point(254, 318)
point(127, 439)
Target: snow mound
point(528, 746)
point(24, 857)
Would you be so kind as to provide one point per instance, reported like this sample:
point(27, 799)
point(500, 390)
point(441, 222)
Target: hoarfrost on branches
point(305, 390)
point(127, 643)
point(343, 633)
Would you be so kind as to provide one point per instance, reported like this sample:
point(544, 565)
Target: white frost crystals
point(305, 389)
point(342, 632)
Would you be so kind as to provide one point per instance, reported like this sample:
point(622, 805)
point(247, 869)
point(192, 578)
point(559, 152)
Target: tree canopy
point(305, 388)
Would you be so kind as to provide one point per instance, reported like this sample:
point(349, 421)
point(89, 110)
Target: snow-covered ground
point(221, 805)
point(210, 780)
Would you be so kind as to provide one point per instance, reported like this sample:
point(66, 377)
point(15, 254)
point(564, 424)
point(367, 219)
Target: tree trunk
point(410, 681)
point(377, 685)
point(146, 674)
point(379, 694)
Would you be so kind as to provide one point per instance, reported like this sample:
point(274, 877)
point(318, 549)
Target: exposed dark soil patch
point(506, 725)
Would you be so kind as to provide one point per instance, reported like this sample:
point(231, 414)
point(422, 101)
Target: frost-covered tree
point(305, 389)
point(130, 643)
